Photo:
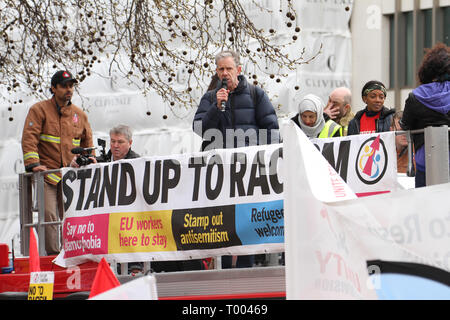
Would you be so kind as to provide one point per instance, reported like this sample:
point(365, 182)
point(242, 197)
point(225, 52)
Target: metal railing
point(410, 170)
point(436, 154)
point(31, 200)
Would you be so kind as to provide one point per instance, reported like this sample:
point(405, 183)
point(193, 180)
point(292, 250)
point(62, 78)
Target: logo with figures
point(372, 160)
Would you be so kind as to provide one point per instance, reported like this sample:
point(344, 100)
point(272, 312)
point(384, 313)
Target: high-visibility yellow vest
point(330, 129)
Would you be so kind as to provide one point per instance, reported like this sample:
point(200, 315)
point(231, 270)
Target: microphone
point(79, 150)
point(224, 85)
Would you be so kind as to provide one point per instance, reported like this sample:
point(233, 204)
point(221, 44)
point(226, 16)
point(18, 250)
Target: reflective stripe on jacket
point(331, 129)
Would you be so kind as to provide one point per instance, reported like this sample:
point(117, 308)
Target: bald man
point(339, 107)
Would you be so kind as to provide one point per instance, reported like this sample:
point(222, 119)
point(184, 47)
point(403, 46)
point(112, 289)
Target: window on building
point(427, 32)
point(391, 52)
point(446, 18)
point(407, 79)
point(403, 42)
point(424, 33)
point(414, 35)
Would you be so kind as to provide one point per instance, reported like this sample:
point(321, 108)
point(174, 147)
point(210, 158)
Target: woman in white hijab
point(310, 119)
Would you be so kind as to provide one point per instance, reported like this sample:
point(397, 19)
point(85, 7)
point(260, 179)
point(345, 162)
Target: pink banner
point(84, 235)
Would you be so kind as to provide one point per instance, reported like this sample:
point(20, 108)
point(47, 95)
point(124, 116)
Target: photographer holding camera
point(52, 129)
point(120, 140)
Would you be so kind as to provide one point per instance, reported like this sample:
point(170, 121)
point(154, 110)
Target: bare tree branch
point(153, 44)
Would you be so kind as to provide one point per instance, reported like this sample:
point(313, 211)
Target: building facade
point(388, 42)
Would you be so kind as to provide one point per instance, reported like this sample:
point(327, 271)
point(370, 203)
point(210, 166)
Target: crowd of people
point(234, 113)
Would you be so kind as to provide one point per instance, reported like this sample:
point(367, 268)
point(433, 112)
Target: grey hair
point(124, 130)
point(226, 54)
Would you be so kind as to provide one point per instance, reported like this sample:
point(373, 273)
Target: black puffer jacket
point(241, 112)
point(107, 158)
point(382, 124)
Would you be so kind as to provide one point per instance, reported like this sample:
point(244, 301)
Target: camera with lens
point(83, 159)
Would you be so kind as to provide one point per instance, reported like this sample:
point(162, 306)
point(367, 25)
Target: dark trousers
point(420, 179)
point(173, 266)
point(241, 262)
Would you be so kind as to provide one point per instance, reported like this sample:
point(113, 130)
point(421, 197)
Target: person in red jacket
point(52, 129)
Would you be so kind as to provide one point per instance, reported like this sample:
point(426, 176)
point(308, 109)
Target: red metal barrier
point(4, 252)
point(67, 280)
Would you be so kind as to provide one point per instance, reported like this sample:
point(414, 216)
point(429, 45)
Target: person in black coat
point(375, 117)
point(428, 104)
point(235, 114)
point(235, 107)
point(121, 138)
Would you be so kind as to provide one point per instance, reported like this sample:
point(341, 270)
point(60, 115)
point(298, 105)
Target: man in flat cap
point(52, 129)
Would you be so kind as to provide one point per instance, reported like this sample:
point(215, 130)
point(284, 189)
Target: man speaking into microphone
point(235, 113)
point(52, 129)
